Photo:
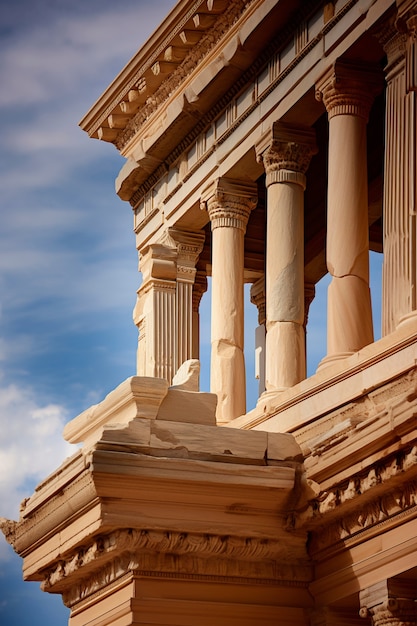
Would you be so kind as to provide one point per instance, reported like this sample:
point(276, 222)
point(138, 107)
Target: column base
point(265, 399)
point(405, 319)
point(332, 358)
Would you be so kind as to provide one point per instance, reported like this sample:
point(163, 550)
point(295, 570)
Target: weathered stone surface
point(181, 405)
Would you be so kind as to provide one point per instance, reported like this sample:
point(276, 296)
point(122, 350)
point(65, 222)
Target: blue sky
point(68, 265)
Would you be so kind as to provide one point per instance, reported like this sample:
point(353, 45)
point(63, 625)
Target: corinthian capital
point(229, 202)
point(349, 88)
point(286, 152)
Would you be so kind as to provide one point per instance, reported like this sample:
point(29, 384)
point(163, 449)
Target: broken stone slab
point(192, 407)
point(137, 396)
point(187, 377)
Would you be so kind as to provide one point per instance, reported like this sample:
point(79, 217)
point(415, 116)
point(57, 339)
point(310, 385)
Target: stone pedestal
point(286, 154)
point(161, 521)
point(229, 203)
point(347, 91)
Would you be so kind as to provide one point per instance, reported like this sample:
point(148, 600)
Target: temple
point(267, 143)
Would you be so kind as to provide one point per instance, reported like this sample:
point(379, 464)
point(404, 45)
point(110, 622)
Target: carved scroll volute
point(390, 602)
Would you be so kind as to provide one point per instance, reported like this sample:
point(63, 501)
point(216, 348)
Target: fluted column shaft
point(164, 308)
point(155, 312)
point(347, 92)
point(229, 204)
point(286, 154)
point(188, 246)
point(399, 292)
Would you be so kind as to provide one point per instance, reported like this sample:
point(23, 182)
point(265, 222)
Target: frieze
point(113, 554)
point(365, 500)
point(187, 567)
point(250, 74)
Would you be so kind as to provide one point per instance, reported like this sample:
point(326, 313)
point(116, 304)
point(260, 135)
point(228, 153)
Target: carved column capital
point(158, 261)
point(229, 202)
point(349, 88)
point(390, 602)
point(285, 152)
point(188, 246)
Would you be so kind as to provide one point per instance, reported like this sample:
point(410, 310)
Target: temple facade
point(267, 143)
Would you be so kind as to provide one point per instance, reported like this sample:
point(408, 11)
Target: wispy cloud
point(31, 443)
point(67, 260)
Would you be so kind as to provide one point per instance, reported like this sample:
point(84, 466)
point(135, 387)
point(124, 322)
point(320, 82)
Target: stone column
point(188, 246)
point(199, 288)
point(229, 203)
point(347, 91)
point(164, 309)
point(285, 152)
point(155, 312)
point(390, 602)
point(258, 298)
point(399, 297)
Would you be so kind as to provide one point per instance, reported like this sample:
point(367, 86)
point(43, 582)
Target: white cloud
point(31, 444)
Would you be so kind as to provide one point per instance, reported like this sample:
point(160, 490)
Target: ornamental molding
point(49, 518)
point(229, 202)
point(188, 245)
point(207, 42)
point(285, 152)
point(185, 568)
point(108, 557)
point(384, 491)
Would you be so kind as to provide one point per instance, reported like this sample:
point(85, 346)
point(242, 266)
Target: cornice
point(235, 8)
point(143, 60)
point(164, 553)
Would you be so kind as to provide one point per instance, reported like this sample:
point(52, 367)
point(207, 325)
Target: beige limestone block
point(188, 376)
point(206, 442)
point(181, 405)
point(138, 396)
point(283, 447)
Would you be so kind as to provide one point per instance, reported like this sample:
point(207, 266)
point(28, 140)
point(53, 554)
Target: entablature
point(278, 86)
